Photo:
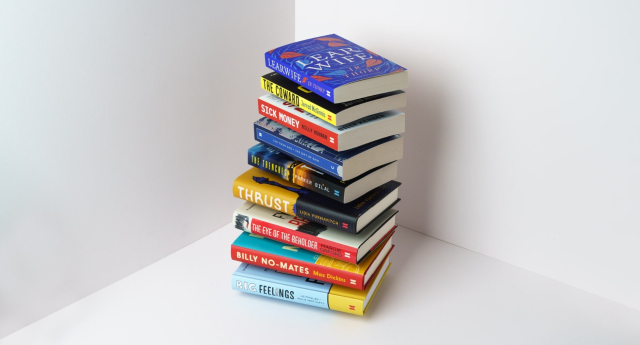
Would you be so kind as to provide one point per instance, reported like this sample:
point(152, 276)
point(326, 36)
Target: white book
point(333, 242)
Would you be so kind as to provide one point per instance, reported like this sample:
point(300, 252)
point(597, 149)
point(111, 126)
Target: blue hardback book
point(341, 165)
point(326, 64)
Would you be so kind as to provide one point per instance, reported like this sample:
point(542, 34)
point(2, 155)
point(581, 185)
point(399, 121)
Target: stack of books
point(319, 215)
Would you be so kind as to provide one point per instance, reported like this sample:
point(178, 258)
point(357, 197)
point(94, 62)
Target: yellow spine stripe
point(353, 304)
point(345, 304)
point(299, 101)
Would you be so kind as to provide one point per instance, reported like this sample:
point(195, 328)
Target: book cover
point(277, 163)
point(268, 190)
point(259, 251)
point(297, 95)
point(307, 150)
point(325, 63)
point(284, 286)
point(300, 232)
point(311, 126)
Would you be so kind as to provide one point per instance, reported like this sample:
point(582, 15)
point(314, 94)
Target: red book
point(263, 252)
point(344, 137)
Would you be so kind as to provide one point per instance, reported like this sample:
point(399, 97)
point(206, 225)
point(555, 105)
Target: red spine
point(302, 126)
point(305, 241)
point(297, 267)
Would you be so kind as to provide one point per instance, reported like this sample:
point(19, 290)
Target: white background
point(122, 127)
point(523, 128)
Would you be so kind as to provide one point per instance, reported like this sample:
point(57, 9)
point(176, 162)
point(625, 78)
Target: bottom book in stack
point(288, 287)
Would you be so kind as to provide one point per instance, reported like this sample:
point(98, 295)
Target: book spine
point(280, 291)
point(314, 208)
point(299, 124)
point(319, 88)
point(315, 212)
point(346, 304)
point(283, 202)
point(302, 240)
point(352, 305)
point(272, 166)
point(317, 182)
point(295, 150)
point(297, 267)
point(313, 108)
point(299, 174)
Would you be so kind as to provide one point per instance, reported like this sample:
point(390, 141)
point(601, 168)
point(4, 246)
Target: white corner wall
point(523, 128)
point(122, 126)
point(121, 129)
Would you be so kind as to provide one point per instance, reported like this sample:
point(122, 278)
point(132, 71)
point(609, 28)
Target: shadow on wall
point(423, 141)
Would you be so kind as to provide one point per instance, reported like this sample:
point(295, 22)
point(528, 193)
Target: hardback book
point(260, 251)
point(336, 68)
point(337, 114)
point(271, 191)
point(318, 238)
point(340, 138)
point(344, 165)
point(284, 286)
point(275, 162)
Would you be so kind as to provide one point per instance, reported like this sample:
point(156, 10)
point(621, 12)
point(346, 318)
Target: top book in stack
point(336, 69)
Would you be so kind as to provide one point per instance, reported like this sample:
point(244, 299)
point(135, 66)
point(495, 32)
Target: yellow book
point(272, 191)
point(298, 97)
point(267, 190)
point(355, 301)
point(337, 114)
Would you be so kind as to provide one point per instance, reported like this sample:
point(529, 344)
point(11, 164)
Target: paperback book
point(343, 165)
point(337, 114)
point(338, 138)
point(336, 68)
point(259, 251)
point(318, 238)
point(277, 194)
point(275, 162)
point(284, 286)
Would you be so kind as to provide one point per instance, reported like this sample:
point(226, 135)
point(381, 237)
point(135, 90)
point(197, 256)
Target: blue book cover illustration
point(325, 63)
point(281, 285)
point(307, 150)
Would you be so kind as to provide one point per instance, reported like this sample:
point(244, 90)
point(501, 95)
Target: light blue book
point(280, 285)
point(283, 286)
